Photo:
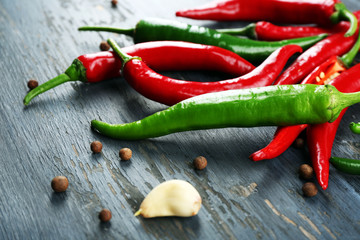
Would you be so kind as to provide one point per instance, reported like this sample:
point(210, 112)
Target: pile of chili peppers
point(329, 46)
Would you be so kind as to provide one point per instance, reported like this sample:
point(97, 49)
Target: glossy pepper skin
point(267, 31)
point(283, 11)
point(322, 74)
point(320, 137)
point(346, 165)
point(334, 45)
point(153, 29)
point(355, 127)
point(285, 136)
point(321, 12)
point(282, 140)
point(179, 56)
point(100, 66)
point(170, 91)
point(266, 106)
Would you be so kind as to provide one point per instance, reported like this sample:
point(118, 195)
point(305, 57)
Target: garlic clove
point(171, 198)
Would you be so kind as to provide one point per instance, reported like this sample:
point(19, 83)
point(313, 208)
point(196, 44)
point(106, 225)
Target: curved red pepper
point(170, 91)
point(320, 137)
point(179, 56)
point(282, 140)
point(284, 11)
point(334, 45)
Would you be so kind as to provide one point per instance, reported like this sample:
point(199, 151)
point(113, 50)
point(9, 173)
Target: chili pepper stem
point(248, 31)
point(124, 57)
point(345, 100)
point(348, 57)
point(74, 73)
point(62, 78)
point(342, 13)
point(128, 31)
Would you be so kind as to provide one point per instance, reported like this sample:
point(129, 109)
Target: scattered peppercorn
point(96, 146)
point(125, 154)
point(200, 163)
point(309, 189)
point(105, 215)
point(104, 46)
point(32, 84)
point(299, 143)
point(306, 171)
point(114, 2)
point(59, 184)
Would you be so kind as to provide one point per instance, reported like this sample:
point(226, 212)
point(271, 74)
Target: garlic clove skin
point(171, 198)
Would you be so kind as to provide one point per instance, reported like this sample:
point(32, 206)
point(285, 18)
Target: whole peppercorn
point(306, 171)
point(59, 184)
point(32, 84)
point(125, 154)
point(114, 2)
point(299, 143)
point(200, 163)
point(104, 46)
point(309, 189)
point(105, 215)
point(96, 146)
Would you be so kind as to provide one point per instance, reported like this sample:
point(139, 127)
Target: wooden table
point(241, 199)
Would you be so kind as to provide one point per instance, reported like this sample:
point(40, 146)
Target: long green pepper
point(266, 106)
point(153, 29)
point(346, 165)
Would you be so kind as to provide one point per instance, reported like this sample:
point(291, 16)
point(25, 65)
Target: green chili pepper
point(159, 29)
point(346, 165)
point(266, 106)
point(355, 127)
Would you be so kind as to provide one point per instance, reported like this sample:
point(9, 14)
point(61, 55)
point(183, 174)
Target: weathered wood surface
point(50, 137)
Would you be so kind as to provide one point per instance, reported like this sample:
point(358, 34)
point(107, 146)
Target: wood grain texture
point(52, 136)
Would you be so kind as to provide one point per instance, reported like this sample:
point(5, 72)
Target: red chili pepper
point(270, 32)
point(285, 136)
point(171, 91)
point(334, 45)
point(267, 31)
point(320, 137)
point(322, 12)
point(179, 56)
